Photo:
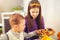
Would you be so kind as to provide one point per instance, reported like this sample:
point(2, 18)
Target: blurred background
point(9, 6)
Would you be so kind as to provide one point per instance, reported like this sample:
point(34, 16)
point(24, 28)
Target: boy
point(17, 23)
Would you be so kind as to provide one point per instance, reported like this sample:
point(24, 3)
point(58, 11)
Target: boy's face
point(20, 27)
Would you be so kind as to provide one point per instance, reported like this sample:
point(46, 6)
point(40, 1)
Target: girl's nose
point(34, 13)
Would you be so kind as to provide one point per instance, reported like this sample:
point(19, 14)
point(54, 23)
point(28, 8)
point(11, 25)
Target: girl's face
point(34, 12)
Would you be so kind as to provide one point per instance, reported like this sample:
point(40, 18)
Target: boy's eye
point(23, 25)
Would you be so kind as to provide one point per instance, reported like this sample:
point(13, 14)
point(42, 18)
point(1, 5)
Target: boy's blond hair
point(15, 19)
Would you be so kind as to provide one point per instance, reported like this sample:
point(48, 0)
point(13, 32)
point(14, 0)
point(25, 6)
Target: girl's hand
point(38, 32)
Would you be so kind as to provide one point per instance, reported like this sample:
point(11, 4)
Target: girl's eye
point(33, 12)
point(36, 11)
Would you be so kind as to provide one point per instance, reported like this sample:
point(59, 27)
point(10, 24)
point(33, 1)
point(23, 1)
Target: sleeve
point(3, 37)
point(43, 25)
point(30, 34)
point(26, 28)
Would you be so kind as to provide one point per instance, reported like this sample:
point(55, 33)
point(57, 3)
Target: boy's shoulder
point(3, 37)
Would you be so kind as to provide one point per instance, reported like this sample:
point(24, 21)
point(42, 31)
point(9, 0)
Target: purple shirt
point(34, 28)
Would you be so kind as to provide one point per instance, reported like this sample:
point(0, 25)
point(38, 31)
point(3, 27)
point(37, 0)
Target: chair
point(5, 21)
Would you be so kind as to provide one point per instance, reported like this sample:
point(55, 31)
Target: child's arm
point(30, 34)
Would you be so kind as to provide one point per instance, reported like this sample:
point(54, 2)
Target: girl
point(34, 19)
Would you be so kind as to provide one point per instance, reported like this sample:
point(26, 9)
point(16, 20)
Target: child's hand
point(40, 31)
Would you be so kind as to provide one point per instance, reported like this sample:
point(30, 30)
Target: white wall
point(26, 2)
point(6, 5)
point(51, 13)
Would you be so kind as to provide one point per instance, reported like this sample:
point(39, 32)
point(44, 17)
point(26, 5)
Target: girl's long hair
point(29, 17)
